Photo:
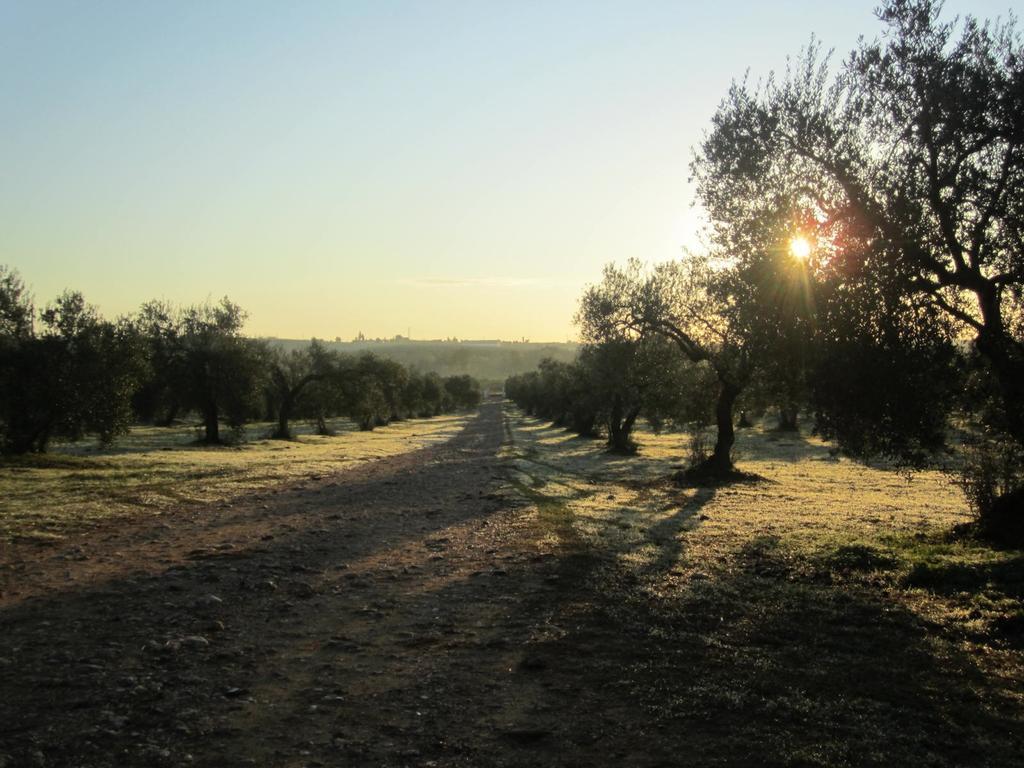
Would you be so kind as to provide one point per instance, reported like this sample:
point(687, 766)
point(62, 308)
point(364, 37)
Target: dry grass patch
point(155, 470)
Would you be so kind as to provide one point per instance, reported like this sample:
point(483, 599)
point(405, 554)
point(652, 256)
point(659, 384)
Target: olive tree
point(628, 378)
point(909, 160)
point(158, 397)
point(692, 303)
point(291, 376)
point(222, 369)
point(74, 376)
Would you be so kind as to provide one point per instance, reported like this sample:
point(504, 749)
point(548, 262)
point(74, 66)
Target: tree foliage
point(694, 303)
point(905, 167)
point(606, 389)
point(291, 376)
point(221, 370)
point(16, 309)
point(76, 374)
point(68, 373)
point(909, 166)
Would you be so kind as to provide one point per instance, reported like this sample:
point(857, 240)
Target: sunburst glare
point(800, 248)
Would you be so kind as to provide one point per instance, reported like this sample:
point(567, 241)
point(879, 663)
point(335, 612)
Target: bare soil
point(416, 611)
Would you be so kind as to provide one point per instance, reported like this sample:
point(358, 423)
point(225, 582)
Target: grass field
point(156, 470)
point(826, 611)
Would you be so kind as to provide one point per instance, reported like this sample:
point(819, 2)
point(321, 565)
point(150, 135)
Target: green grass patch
point(860, 558)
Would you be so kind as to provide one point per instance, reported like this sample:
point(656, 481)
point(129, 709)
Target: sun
point(800, 248)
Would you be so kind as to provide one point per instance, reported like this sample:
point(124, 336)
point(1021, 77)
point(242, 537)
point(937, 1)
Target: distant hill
point(490, 361)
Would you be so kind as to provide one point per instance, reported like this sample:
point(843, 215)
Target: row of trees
point(67, 372)
point(609, 386)
point(901, 178)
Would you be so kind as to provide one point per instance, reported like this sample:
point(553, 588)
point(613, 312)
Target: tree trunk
point(589, 426)
point(284, 413)
point(169, 417)
point(22, 440)
point(212, 424)
point(620, 440)
point(1003, 520)
point(615, 423)
point(1006, 358)
point(289, 396)
point(731, 384)
point(627, 425)
point(1010, 376)
point(41, 440)
point(720, 462)
point(24, 436)
point(788, 418)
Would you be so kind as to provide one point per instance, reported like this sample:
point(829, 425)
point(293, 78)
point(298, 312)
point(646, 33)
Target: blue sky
point(457, 168)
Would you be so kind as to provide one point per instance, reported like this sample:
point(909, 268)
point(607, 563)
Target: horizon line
point(399, 339)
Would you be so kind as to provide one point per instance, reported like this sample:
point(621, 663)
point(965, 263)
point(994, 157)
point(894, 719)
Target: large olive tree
point(908, 165)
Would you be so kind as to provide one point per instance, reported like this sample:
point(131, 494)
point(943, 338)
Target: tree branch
point(933, 292)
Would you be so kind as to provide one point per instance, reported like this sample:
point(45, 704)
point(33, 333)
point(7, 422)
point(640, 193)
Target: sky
point(435, 168)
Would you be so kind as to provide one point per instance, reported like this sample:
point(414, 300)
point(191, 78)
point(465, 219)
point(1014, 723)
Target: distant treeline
point(491, 363)
point(66, 372)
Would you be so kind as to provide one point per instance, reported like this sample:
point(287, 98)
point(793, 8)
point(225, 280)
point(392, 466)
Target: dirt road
point(402, 614)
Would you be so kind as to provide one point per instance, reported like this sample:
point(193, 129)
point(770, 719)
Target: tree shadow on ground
point(667, 535)
point(789, 447)
point(760, 663)
point(140, 662)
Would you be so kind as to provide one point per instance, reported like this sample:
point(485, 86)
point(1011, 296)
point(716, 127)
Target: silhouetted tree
point(16, 310)
point(557, 391)
point(221, 368)
point(561, 394)
point(158, 397)
point(609, 385)
point(628, 377)
point(911, 161)
point(691, 303)
point(413, 396)
point(368, 405)
point(463, 390)
point(883, 378)
point(436, 399)
point(291, 375)
point(329, 396)
point(21, 366)
point(74, 378)
point(384, 382)
point(523, 390)
point(364, 397)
